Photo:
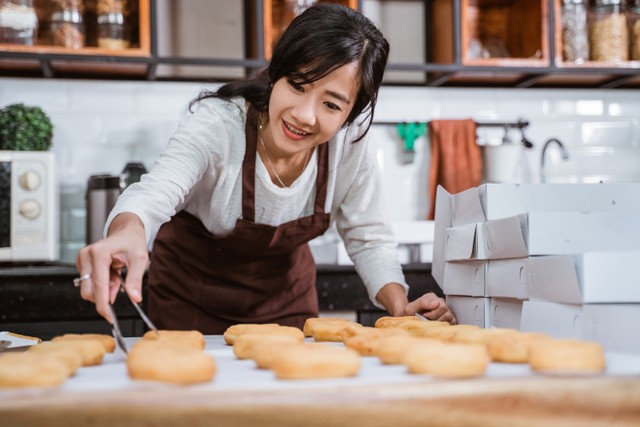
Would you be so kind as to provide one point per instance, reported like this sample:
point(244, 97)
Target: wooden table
point(509, 395)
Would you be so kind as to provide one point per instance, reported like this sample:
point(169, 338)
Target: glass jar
point(112, 26)
point(67, 25)
point(575, 39)
point(608, 36)
point(18, 22)
point(634, 30)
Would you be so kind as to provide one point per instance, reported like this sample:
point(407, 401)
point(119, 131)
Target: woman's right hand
point(125, 246)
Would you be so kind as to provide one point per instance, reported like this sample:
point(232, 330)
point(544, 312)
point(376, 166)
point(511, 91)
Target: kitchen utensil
point(117, 334)
point(102, 193)
point(421, 317)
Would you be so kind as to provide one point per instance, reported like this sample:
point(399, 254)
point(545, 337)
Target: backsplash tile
point(99, 126)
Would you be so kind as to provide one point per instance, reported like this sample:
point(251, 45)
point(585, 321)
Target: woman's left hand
point(432, 307)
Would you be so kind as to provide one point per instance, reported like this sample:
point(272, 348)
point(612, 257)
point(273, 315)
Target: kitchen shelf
point(467, 43)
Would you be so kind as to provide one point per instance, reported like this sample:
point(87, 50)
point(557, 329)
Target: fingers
point(432, 307)
point(94, 289)
point(138, 263)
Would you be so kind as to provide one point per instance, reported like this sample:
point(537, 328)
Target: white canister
point(503, 163)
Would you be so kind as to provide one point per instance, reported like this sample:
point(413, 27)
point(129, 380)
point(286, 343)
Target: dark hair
point(321, 39)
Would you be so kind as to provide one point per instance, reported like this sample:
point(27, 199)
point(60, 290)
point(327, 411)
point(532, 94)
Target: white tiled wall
point(99, 126)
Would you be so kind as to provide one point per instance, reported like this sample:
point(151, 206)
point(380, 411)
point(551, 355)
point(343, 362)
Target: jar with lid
point(112, 26)
point(18, 22)
point(634, 30)
point(608, 36)
point(575, 38)
point(67, 25)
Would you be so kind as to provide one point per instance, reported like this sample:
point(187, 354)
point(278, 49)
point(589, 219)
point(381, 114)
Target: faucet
point(563, 152)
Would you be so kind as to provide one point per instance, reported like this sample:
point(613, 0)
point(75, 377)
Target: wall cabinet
point(503, 43)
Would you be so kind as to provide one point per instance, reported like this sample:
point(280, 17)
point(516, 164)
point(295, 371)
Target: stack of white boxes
point(563, 259)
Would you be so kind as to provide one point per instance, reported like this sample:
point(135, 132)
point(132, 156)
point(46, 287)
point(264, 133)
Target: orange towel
point(456, 159)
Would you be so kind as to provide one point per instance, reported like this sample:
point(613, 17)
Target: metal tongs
point(117, 333)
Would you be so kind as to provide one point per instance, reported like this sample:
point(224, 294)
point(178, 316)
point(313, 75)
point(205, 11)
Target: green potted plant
point(25, 128)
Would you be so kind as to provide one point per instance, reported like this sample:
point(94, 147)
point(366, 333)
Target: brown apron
point(257, 274)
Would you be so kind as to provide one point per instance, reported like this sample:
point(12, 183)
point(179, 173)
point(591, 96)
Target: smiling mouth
point(294, 130)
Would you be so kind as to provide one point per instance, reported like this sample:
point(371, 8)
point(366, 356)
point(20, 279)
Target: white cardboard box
point(505, 200)
point(544, 233)
point(612, 325)
point(507, 278)
point(591, 277)
point(557, 320)
point(496, 201)
point(471, 310)
point(506, 313)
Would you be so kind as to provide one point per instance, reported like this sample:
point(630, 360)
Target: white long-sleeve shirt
point(201, 172)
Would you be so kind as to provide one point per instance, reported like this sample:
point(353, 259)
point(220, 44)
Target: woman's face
point(305, 115)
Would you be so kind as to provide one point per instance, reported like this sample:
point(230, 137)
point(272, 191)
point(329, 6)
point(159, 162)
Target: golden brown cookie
point(391, 350)
point(332, 331)
point(151, 361)
point(310, 323)
point(265, 354)
point(320, 361)
point(235, 331)
point(513, 348)
point(68, 355)
point(244, 345)
point(446, 333)
point(192, 339)
point(367, 341)
point(91, 350)
point(106, 340)
point(27, 369)
point(393, 322)
point(447, 360)
point(567, 356)
point(418, 329)
point(480, 335)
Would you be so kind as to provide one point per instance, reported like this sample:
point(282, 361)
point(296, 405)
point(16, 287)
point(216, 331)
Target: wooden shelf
point(521, 41)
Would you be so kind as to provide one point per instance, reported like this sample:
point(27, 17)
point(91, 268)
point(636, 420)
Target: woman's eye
point(296, 86)
point(332, 106)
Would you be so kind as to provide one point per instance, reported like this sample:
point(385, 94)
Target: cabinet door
point(278, 14)
point(57, 57)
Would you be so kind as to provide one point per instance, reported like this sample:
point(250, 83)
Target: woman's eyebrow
point(339, 96)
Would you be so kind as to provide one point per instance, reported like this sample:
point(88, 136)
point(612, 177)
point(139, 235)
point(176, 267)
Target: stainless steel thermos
point(102, 192)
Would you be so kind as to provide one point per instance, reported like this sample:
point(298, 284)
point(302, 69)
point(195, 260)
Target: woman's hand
point(432, 307)
point(125, 246)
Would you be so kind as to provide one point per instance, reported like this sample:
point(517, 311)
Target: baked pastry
point(333, 331)
point(191, 339)
point(418, 329)
point(68, 355)
point(480, 335)
point(91, 350)
point(513, 348)
point(367, 341)
point(265, 354)
point(312, 321)
point(318, 361)
point(244, 345)
point(447, 360)
point(152, 360)
point(567, 356)
point(235, 331)
point(393, 322)
point(391, 350)
point(446, 333)
point(106, 340)
point(31, 369)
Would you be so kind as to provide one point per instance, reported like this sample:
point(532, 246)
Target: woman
point(261, 167)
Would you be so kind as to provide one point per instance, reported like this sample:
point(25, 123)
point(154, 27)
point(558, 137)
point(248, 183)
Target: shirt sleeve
point(190, 152)
point(361, 220)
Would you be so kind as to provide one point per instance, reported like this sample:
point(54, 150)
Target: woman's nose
point(305, 114)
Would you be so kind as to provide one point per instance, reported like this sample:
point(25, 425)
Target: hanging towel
point(456, 159)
